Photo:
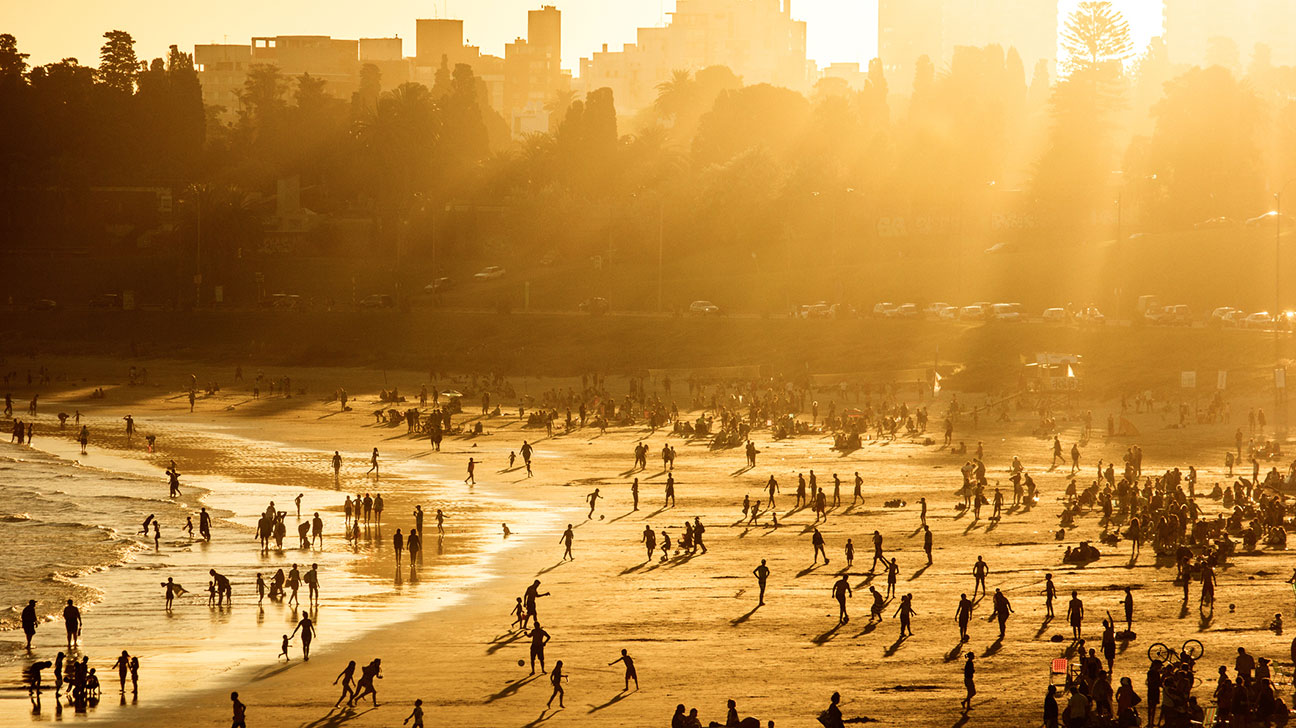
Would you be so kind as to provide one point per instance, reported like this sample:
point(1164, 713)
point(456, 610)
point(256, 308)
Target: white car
point(933, 310)
point(1258, 320)
point(949, 313)
point(904, 311)
point(1055, 314)
point(489, 273)
point(884, 308)
point(703, 308)
point(975, 312)
point(815, 310)
point(1091, 315)
point(1225, 316)
point(1006, 312)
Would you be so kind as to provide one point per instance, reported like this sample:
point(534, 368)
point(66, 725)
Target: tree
point(13, 65)
point(1204, 151)
point(118, 66)
point(262, 96)
point(1096, 35)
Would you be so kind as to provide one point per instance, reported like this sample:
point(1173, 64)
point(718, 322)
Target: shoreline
point(377, 603)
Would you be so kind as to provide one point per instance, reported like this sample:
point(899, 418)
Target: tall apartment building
point(757, 39)
point(438, 39)
point(222, 69)
point(533, 71)
point(910, 29)
point(1215, 32)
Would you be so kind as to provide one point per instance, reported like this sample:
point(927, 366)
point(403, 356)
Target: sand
point(690, 623)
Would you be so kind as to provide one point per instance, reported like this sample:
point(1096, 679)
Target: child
point(260, 587)
point(283, 650)
point(211, 593)
point(417, 715)
point(519, 614)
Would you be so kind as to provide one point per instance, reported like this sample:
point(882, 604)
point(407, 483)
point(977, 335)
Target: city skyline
point(837, 31)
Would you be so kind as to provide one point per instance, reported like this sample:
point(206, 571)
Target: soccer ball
point(521, 663)
point(601, 516)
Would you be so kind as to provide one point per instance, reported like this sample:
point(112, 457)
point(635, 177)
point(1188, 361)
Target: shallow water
point(71, 530)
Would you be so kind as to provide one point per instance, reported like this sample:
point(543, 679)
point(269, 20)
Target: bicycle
point(1191, 649)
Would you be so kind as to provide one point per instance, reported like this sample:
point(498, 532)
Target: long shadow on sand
point(615, 699)
point(341, 717)
point(744, 617)
point(511, 689)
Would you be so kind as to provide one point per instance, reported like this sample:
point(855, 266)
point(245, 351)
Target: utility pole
point(661, 224)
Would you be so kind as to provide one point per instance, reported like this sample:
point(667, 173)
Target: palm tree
point(675, 95)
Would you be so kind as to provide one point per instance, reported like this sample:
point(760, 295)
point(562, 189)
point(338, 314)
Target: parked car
point(975, 312)
point(43, 304)
point(881, 309)
point(949, 313)
point(1091, 315)
point(1055, 315)
point(1006, 312)
point(704, 308)
point(1267, 220)
point(106, 300)
point(1258, 320)
point(489, 273)
point(377, 300)
point(437, 285)
point(815, 310)
point(1176, 315)
point(596, 306)
point(904, 311)
point(933, 310)
point(1216, 223)
point(283, 301)
point(1224, 316)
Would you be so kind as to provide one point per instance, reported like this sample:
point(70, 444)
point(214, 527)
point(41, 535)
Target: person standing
point(1075, 615)
point(1002, 608)
point(566, 539)
point(762, 573)
point(1050, 592)
point(630, 673)
point(969, 682)
point(841, 590)
point(29, 621)
point(962, 616)
point(72, 621)
point(539, 638)
point(307, 629)
point(240, 712)
point(817, 540)
point(927, 543)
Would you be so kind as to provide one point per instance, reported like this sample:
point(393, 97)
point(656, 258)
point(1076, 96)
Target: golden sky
point(839, 30)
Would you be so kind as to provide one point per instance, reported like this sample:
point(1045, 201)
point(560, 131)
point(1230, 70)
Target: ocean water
point(70, 527)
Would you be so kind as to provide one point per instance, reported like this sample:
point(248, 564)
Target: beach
point(690, 622)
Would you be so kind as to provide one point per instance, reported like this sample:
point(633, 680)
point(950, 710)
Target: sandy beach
point(689, 622)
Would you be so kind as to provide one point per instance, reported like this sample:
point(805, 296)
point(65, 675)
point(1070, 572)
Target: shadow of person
point(993, 648)
point(828, 635)
point(740, 619)
point(613, 701)
point(919, 572)
point(895, 646)
point(510, 689)
point(1043, 627)
point(955, 652)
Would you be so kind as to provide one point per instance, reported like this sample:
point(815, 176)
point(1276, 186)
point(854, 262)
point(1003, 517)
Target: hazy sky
point(839, 30)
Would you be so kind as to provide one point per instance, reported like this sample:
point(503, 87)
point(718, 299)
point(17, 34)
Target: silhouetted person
point(817, 540)
point(72, 621)
point(566, 540)
point(539, 638)
point(556, 679)
point(307, 629)
point(962, 615)
point(979, 571)
point(347, 676)
point(1002, 608)
point(841, 590)
point(969, 682)
point(529, 599)
point(1050, 591)
point(240, 712)
point(762, 573)
point(1075, 615)
point(416, 715)
point(927, 543)
point(630, 673)
point(905, 612)
point(29, 621)
point(365, 686)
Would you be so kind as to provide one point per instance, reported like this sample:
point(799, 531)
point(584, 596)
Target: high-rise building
point(533, 71)
point(1212, 32)
point(757, 39)
point(910, 29)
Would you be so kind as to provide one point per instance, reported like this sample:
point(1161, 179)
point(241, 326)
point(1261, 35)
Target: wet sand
point(690, 622)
